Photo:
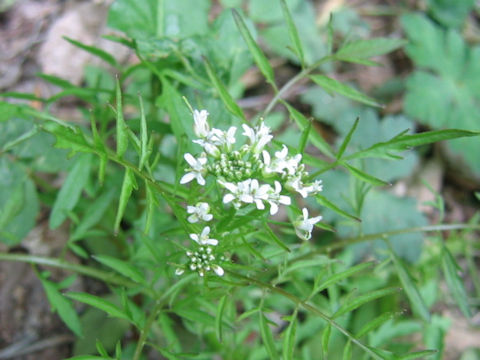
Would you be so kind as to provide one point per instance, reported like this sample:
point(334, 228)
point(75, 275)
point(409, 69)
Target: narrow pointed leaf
point(275, 238)
point(326, 340)
point(363, 299)
point(364, 176)
point(418, 355)
point(293, 32)
point(322, 200)
point(337, 277)
point(304, 138)
point(332, 85)
point(128, 185)
point(219, 317)
point(99, 303)
point(363, 49)
point(314, 136)
point(347, 139)
point(122, 267)
point(102, 54)
point(267, 337)
point(258, 56)
point(414, 297)
point(375, 323)
point(223, 92)
point(454, 282)
point(143, 136)
point(289, 339)
point(122, 130)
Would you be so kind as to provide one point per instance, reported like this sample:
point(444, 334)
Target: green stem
point(104, 276)
point(300, 303)
point(302, 74)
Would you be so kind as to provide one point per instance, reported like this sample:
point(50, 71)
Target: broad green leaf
point(129, 183)
point(322, 200)
point(122, 267)
point(358, 301)
point(102, 54)
point(454, 281)
point(267, 337)
point(364, 176)
point(223, 92)
point(219, 317)
point(414, 297)
point(450, 13)
point(142, 19)
point(121, 126)
point(71, 190)
point(99, 303)
point(360, 50)
point(347, 139)
point(93, 214)
point(332, 85)
point(289, 339)
point(18, 202)
point(258, 55)
point(63, 306)
point(335, 278)
point(444, 90)
point(293, 32)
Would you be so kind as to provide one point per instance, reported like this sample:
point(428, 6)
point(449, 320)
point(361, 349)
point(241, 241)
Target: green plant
point(173, 210)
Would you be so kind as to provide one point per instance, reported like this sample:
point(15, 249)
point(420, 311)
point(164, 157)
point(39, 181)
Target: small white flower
point(203, 238)
point(200, 127)
point(179, 271)
point(208, 146)
point(259, 193)
point(274, 198)
point(224, 138)
point(240, 192)
point(218, 270)
point(199, 212)
point(197, 169)
point(259, 136)
point(304, 226)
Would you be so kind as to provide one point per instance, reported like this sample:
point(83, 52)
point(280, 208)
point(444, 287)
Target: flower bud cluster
point(202, 261)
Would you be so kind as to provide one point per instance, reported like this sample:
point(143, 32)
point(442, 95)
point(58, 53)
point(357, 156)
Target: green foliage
point(262, 290)
point(443, 92)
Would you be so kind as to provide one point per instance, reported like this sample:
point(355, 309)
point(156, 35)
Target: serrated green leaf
point(454, 282)
point(362, 175)
point(293, 32)
point(129, 183)
point(360, 50)
point(122, 267)
point(71, 190)
point(267, 337)
point(227, 99)
point(258, 55)
point(363, 299)
point(322, 200)
point(99, 303)
point(102, 54)
point(219, 317)
point(332, 85)
point(63, 306)
point(121, 126)
point(68, 138)
point(414, 296)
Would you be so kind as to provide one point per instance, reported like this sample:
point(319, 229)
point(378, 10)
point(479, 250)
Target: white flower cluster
point(248, 175)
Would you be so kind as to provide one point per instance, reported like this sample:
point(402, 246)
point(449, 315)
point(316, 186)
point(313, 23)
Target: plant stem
point(302, 74)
